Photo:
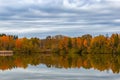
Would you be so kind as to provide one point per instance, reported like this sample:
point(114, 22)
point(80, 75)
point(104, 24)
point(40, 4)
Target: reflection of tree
point(97, 61)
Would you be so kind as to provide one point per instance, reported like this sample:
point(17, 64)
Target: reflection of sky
point(41, 72)
point(49, 17)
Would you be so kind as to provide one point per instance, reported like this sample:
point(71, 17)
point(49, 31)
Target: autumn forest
point(99, 52)
point(100, 44)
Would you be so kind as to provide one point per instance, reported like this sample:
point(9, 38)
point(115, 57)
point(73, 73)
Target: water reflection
point(101, 62)
point(41, 72)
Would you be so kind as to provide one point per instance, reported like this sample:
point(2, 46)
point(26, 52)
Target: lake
point(36, 66)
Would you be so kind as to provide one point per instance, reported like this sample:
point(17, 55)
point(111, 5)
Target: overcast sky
point(40, 18)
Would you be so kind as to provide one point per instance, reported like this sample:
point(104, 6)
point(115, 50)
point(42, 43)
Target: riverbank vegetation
point(63, 44)
point(98, 52)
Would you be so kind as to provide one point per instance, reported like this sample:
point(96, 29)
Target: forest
point(59, 44)
point(99, 52)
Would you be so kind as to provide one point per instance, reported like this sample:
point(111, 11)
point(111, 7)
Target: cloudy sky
point(40, 18)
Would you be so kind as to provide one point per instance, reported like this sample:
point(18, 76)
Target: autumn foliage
point(63, 44)
point(99, 52)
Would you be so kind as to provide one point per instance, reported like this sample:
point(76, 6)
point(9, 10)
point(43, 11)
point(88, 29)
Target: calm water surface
point(49, 67)
point(41, 72)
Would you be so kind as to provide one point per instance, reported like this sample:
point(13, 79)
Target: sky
point(40, 18)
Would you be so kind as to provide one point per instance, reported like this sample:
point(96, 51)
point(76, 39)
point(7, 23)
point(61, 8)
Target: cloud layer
point(49, 17)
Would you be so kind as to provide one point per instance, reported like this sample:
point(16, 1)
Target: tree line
point(63, 44)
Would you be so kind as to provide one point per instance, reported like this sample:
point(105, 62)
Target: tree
point(18, 43)
point(98, 44)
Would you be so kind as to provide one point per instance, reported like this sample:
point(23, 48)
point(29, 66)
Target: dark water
point(36, 66)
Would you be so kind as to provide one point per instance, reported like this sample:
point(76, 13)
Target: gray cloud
point(70, 17)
